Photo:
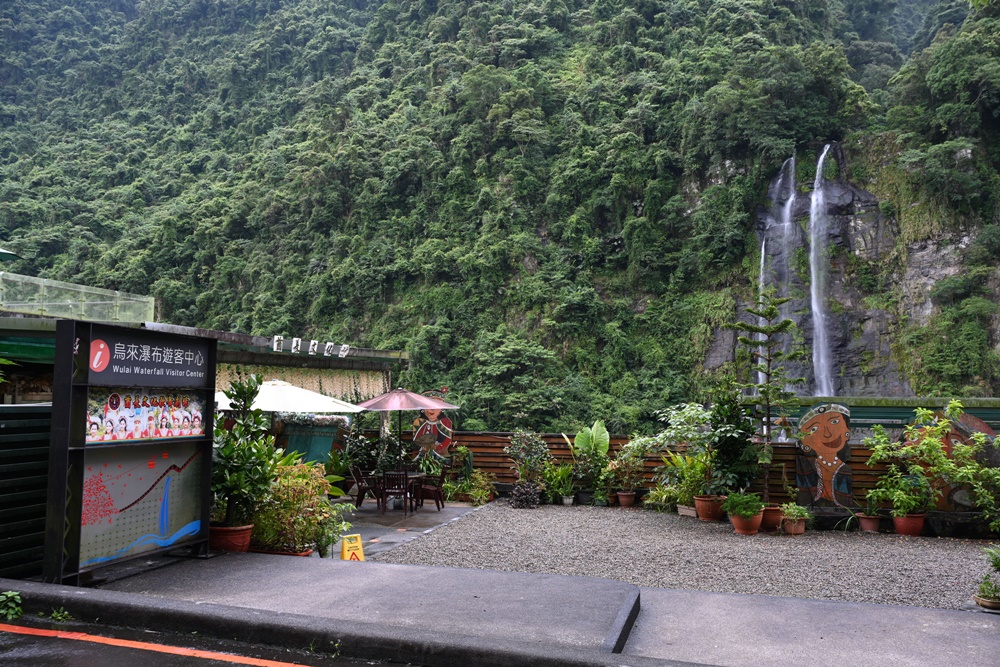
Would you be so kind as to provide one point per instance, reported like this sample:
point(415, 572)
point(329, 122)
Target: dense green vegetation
point(549, 204)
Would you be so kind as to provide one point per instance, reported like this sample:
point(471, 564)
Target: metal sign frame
point(101, 356)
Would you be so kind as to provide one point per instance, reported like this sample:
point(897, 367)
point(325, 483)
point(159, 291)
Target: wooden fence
point(487, 449)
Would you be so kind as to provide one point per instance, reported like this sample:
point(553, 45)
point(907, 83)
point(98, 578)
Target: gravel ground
point(658, 550)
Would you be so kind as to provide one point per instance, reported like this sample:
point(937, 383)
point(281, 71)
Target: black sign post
point(131, 445)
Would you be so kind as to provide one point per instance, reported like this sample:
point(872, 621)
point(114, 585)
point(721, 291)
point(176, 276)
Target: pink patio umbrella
point(400, 399)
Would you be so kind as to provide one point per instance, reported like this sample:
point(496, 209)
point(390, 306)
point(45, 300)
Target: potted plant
point(628, 468)
point(684, 473)
point(988, 593)
point(910, 495)
point(688, 426)
point(662, 498)
point(745, 511)
point(244, 462)
point(530, 455)
point(868, 518)
point(292, 516)
point(558, 480)
point(589, 449)
point(794, 518)
point(904, 486)
point(477, 488)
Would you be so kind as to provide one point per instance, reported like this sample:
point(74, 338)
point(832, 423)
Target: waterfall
point(817, 266)
point(787, 238)
point(760, 295)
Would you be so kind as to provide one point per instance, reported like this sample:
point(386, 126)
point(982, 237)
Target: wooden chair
point(396, 484)
point(434, 489)
point(366, 484)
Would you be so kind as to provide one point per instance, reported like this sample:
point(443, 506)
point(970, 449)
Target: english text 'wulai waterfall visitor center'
point(107, 415)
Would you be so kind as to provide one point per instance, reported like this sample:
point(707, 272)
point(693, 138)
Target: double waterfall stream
point(818, 263)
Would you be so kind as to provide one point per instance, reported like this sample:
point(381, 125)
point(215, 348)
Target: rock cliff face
point(873, 285)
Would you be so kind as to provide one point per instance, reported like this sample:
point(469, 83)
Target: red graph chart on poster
point(138, 499)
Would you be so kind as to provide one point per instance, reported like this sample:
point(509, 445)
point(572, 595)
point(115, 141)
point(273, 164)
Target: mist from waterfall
point(822, 365)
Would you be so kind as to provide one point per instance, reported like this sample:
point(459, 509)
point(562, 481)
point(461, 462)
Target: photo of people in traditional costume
point(822, 471)
point(93, 430)
point(196, 425)
point(432, 432)
point(163, 428)
point(961, 431)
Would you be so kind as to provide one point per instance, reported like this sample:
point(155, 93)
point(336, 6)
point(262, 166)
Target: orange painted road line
point(144, 646)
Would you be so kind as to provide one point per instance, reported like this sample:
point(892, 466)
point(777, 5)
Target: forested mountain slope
point(551, 205)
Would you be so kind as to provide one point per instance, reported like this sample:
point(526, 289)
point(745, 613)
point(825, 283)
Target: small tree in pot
point(244, 462)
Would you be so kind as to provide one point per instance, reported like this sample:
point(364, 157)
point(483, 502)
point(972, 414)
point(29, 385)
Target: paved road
point(32, 644)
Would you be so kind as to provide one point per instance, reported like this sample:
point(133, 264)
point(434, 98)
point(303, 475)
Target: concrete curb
point(352, 639)
point(622, 626)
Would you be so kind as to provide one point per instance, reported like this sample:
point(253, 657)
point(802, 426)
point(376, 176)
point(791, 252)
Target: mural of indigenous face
point(822, 472)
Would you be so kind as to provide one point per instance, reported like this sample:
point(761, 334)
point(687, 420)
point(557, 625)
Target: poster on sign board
point(121, 414)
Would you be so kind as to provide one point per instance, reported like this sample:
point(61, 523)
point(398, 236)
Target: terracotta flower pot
point(772, 519)
point(709, 507)
point(626, 498)
point(793, 526)
point(911, 524)
point(229, 538)
point(869, 524)
point(746, 525)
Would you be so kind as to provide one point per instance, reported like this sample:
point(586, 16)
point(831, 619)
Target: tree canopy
point(549, 204)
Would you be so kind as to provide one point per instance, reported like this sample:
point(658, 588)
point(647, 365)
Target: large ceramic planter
point(567, 500)
point(869, 524)
point(626, 498)
point(986, 603)
point(709, 507)
point(746, 525)
point(584, 497)
point(772, 519)
point(229, 538)
point(793, 526)
point(911, 524)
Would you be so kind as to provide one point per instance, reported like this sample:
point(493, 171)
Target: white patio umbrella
point(279, 396)
point(8, 255)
